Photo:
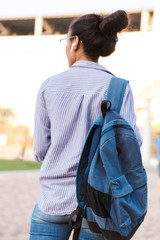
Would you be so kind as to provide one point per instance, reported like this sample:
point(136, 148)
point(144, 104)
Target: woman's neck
point(81, 56)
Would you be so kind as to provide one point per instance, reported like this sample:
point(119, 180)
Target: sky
point(23, 8)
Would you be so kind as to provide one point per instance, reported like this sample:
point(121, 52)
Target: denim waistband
point(39, 216)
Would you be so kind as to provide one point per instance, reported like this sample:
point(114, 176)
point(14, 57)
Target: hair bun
point(114, 23)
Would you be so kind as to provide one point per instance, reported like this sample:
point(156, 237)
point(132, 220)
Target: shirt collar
point(89, 64)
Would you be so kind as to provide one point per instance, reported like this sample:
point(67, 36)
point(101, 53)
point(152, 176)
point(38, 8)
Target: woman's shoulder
point(54, 80)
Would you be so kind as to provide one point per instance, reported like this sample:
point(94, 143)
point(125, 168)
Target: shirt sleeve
point(42, 135)
point(128, 112)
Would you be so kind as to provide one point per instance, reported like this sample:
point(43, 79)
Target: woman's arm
point(42, 136)
point(128, 112)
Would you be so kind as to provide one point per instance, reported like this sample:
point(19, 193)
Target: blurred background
point(30, 52)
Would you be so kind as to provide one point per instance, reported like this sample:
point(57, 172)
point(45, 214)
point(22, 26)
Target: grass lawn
point(18, 164)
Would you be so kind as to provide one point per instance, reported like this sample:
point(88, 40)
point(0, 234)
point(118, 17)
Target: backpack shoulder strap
point(116, 92)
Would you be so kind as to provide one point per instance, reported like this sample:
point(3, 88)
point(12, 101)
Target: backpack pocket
point(99, 202)
point(129, 198)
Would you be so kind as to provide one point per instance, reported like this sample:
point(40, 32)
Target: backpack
point(111, 182)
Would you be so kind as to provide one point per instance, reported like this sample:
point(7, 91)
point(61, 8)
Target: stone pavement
point(19, 193)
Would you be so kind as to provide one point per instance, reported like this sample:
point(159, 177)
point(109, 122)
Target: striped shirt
point(67, 105)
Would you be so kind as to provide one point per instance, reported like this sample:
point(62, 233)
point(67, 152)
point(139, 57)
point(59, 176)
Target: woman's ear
point(73, 44)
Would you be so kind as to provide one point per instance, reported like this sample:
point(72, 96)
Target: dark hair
point(99, 34)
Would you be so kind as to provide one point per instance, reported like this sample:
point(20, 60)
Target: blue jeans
point(46, 227)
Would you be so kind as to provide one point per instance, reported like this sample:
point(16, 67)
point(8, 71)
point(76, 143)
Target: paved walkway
point(19, 192)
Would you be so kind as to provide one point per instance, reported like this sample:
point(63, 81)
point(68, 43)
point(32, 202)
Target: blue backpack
point(111, 182)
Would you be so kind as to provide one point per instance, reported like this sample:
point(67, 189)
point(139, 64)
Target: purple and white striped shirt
point(67, 105)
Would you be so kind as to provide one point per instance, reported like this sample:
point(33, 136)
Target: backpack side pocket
point(129, 198)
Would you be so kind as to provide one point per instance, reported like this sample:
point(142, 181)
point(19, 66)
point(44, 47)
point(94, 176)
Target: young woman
point(67, 105)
